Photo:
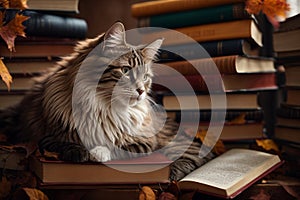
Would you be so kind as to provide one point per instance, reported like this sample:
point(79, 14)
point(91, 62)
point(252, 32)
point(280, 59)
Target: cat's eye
point(125, 69)
point(145, 77)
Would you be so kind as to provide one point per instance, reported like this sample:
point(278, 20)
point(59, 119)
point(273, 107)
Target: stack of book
point(236, 43)
point(52, 31)
point(287, 47)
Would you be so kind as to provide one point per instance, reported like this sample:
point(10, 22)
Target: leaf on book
point(5, 75)
point(267, 144)
point(4, 3)
point(218, 146)
point(18, 4)
point(239, 119)
point(33, 194)
point(51, 155)
point(5, 187)
point(146, 193)
point(12, 29)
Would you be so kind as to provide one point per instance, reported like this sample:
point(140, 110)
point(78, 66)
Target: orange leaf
point(18, 4)
point(5, 75)
point(146, 193)
point(4, 3)
point(218, 146)
point(35, 194)
point(239, 120)
point(12, 29)
point(267, 144)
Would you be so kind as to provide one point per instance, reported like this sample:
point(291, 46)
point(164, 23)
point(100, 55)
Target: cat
point(92, 107)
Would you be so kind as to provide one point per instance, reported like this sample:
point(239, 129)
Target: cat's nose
point(140, 91)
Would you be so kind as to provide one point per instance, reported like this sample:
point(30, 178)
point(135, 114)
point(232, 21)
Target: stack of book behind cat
point(236, 44)
point(50, 34)
point(286, 45)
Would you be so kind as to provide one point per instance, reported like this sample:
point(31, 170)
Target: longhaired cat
point(94, 105)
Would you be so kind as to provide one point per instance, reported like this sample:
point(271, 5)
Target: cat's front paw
point(100, 154)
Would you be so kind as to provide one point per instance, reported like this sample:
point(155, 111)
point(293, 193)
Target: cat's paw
point(100, 154)
point(74, 153)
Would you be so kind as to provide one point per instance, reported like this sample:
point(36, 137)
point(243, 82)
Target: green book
point(195, 17)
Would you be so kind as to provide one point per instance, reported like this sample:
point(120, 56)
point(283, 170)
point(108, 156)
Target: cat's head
point(128, 77)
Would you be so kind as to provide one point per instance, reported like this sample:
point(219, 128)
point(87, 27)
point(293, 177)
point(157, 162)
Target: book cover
point(151, 169)
point(221, 83)
point(209, 32)
point(195, 17)
point(213, 49)
point(232, 64)
point(162, 6)
point(49, 25)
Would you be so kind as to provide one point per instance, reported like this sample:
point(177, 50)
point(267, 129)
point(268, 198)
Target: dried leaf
point(218, 146)
point(51, 155)
point(267, 144)
point(12, 29)
point(5, 188)
point(4, 3)
point(5, 75)
point(167, 196)
point(18, 4)
point(35, 194)
point(146, 193)
point(239, 119)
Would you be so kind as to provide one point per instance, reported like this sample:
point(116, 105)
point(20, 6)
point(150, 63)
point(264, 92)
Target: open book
point(231, 173)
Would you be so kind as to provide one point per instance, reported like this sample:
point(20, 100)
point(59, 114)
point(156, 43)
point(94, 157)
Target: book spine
point(225, 65)
point(287, 111)
point(195, 17)
point(47, 25)
point(159, 7)
point(189, 116)
point(191, 51)
point(209, 32)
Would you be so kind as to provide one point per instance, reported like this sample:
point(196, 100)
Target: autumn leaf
point(5, 75)
point(238, 120)
point(146, 193)
point(12, 29)
point(18, 4)
point(4, 3)
point(30, 193)
point(267, 144)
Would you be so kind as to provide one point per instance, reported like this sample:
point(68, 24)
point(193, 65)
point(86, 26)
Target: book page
point(229, 168)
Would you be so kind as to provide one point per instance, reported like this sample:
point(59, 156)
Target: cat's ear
point(150, 51)
point(115, 35)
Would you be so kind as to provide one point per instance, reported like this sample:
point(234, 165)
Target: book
point(255, 115)
point(234, 101)
point(9, 99)
point(230, 131)
point(287, 40)
point(288, 122)
point(288, 111)
point(54, 5)
point(213, 49)
point(50, 25)
point(166, 6)
point(287, 134)
point(195, 17)
point(223, 82)
point(292, 74)
point(290, 23)
point(152, 169)
point(231, 64)
point(208, 32)
point(39, 47)
point(293, 96)
point(230, 173)
point(29, 66)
